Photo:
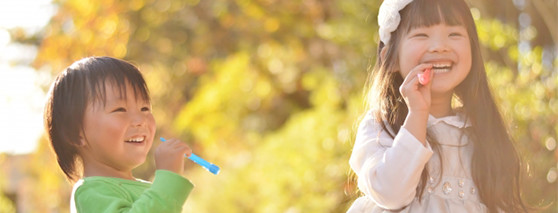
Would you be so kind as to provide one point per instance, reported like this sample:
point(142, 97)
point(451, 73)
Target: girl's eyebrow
point(460, 28)
point(417, 28)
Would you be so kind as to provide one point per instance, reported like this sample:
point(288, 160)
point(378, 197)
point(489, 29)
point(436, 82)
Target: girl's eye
point(420, 35)
point(120, 109)
point(145, 109)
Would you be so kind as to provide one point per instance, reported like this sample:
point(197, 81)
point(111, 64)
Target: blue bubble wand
point(207, 165)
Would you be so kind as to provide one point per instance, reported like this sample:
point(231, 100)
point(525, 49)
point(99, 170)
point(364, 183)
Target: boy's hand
point(170, 155)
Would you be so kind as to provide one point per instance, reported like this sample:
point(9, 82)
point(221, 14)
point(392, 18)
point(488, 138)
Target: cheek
point(467, 58)
point(91, 125)
point(466, 52)
point(102, 130)
point(403, 73)
point(470, 58)
point(151, 123)
point(113, 127)
point(409, 57)
point(406, 63)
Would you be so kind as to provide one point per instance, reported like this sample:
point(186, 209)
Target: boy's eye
point(455, 34)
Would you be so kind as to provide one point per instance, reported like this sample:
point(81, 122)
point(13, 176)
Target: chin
point(139, 162)
point(441, 90)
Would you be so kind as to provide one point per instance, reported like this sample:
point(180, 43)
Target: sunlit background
point(21, 92)
point(269, 90)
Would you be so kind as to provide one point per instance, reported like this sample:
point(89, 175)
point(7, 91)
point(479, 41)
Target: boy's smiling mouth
point(136, 139)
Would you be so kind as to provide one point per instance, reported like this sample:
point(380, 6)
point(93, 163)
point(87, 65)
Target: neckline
point(136, 181)
point(458, 120)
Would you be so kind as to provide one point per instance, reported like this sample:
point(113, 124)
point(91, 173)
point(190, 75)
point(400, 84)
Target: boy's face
point(119, 134)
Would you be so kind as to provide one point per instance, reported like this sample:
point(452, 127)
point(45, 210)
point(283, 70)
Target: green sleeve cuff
point(173, 185)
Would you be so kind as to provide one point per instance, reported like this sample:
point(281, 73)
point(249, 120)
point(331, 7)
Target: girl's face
point(446, 47)
point(119, 134)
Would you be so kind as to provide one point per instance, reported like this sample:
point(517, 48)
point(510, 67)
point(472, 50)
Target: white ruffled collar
point(458, 120)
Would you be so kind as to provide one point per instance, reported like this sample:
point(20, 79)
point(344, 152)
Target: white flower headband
point(389, 18)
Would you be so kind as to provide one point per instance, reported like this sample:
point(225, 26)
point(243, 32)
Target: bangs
point(98, 89)
point(119, 75)
point(426, 13)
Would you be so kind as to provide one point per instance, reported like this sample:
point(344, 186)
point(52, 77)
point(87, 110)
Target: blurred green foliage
point(271, 91)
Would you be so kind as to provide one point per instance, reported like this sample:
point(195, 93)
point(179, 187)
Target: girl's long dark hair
point(496, 166)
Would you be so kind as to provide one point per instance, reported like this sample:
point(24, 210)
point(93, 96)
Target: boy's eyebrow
point(122, 99)
point(113, 101)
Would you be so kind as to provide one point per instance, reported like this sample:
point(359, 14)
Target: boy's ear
point(82, 140)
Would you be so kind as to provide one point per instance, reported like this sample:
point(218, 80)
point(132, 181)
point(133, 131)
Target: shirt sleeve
point(167, 194)
point(388, 169)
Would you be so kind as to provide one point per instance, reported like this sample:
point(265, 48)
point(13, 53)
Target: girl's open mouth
point(441, 67)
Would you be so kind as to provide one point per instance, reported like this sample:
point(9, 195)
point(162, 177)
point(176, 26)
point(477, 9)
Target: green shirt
point(167, 193)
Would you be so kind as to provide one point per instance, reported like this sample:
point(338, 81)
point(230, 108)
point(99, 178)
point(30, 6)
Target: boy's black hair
point(79, 85)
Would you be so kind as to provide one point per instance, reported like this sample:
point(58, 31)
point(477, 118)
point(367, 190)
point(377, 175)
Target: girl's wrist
point(416, 123)
point(418, 113)
point(417, 117)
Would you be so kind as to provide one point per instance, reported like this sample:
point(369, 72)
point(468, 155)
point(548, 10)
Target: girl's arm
point(388, 169)
point(167, 194)
point(418, 99)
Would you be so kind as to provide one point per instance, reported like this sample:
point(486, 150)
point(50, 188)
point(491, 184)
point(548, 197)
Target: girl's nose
point(438, 45)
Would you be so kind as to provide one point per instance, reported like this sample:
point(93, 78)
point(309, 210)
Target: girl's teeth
point(441, 65)
point(440, 70)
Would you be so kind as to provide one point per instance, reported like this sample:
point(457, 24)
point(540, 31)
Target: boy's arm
point(167, 194)
point(171, 187)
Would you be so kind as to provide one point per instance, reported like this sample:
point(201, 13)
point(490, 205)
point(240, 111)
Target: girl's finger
point(410, 83)
point(424, 78)
point(416, 70)
point(419, 68)
point(431, 77)
point(412, 80)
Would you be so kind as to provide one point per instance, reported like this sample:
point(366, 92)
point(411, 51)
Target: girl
point(99, 123)
point(433, 140)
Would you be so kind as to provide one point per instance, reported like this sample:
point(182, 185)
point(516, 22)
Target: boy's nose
point(138, 119)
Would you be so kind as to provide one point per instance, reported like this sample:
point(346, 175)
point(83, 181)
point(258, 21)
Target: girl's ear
point(383, 54)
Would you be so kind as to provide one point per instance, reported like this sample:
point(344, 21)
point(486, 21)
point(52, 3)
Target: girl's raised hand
point(417, 93)
point(170, 155)
point(418, 99)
